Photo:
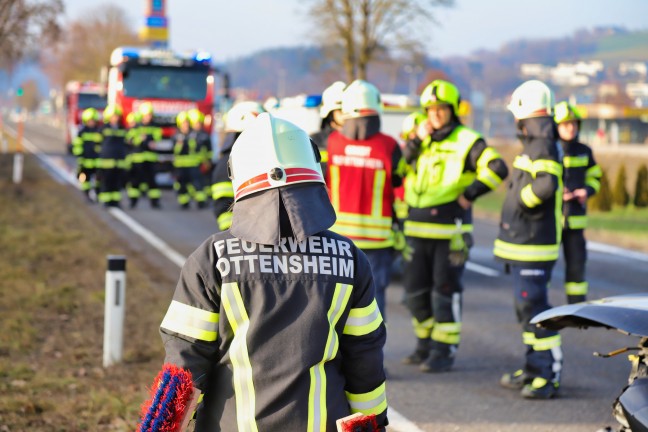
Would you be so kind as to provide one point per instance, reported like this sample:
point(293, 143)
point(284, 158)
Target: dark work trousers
point(142, 180)
point(189, 185)
point(433, 292)
point(111, 181)
point(381, 267)
point(543, 351)
point(575, 253)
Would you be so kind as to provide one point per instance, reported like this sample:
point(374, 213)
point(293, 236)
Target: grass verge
point(51, 303)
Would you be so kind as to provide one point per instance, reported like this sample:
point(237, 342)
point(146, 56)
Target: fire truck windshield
point(165, 83)
point(91, 100)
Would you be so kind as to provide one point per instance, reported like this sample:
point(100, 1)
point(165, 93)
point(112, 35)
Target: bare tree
point(88, 43)
point(25, 25)
point(362, 29)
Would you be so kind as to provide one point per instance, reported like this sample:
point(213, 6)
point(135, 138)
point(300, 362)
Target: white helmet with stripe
point(332, 98)
point(272, 153)
point(242, 114)
point(532, 98)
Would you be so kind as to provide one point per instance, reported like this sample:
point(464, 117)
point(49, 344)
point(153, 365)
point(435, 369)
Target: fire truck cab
point(78, 97)
point(171, 81)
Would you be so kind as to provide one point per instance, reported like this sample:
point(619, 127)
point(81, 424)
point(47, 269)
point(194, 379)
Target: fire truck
point(78, 97)
point(171, 81)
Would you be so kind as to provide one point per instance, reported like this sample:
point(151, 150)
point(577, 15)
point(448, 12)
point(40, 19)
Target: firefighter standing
point(111, 164)
point(529, 236)
point(276, 318)
point(581, 177)
point(204, 146)
point(331, 115)
point(86, 149)
point(143, 158)
point(236, 119)
point(187, 158)
point(449, 167)
point(361, 178)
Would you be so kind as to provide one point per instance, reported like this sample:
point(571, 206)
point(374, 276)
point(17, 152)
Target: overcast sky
point(233, 28)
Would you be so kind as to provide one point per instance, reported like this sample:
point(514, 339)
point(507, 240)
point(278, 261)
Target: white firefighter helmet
point(332, 98)
point(532, 98)
point(361, 99)
point(241, 114)
point(272, 153)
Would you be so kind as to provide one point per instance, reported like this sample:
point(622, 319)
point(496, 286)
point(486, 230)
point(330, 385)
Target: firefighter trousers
point(142, 179)
point(189, 185)
point(110, 184)
point(575, 254)
point(433, 293)
point(381, 265)
point(543, 347)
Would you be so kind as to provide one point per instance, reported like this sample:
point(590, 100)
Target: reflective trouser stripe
point(433, 231)
point(447, 333)
point(154, 193)
point(109, 196)
point(576, 288)
point(224, 220)
point(242, 373)
point(317, 393)
point(423, 329)
point(191, 321)
point(362, 321)
point(577, 222)
point(526, 253)
point(373, 402)
point(541, 344)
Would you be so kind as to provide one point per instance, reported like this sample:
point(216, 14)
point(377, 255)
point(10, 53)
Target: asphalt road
point(468, 398)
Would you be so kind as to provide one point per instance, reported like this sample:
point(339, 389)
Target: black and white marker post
point(114, 310)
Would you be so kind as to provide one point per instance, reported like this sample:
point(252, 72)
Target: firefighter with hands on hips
point(204, 145)
point(331, 115)
point(143, 158)
point(187, 160)
point(86, 148)
point(582, 179)
point(362, 175)
point(111, 164)
point(529, 236)
point(449, 167)
point(276, 318)
point(236, 119)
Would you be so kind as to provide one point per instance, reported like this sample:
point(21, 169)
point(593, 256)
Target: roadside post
point(18, 161)
point(114, 310)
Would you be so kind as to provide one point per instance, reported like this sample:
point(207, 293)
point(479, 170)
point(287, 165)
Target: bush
point(620, 195)
point(602, 201)
point(641, 187)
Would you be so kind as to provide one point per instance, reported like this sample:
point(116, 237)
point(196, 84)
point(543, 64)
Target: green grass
point(621, 47)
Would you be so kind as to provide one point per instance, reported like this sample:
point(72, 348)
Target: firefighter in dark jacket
point(236, 119)
point(86, 147)
point(529, 236)
point(331, 114)
point(143, 158)
point(448, 167)
point(276, 317)
point(204, 145)
point(362, 174)
point(582, 179)
point(111, 165)
point(187, 158)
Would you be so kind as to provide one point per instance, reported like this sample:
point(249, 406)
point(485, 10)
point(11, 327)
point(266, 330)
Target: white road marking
point(615, 250)
point(478, 268)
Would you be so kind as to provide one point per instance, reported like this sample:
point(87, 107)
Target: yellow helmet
point(564, 112)
point(146, 108)
point(440, 92)
point(411, 122)
point(361, 99)
point(181, 118)
point(89, 114)
point(272, 153)
point(532, 98)
point(110, 111)
point(332, 98)
point(195, 117)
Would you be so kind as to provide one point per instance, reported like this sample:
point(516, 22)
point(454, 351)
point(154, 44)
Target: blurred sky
point(233, 28)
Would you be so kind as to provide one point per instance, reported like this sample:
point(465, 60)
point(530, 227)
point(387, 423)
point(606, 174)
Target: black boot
point(133, 203)
point(155, 203)
point(577, 298)
point(437, 361)
point(421, 352)
point(540, 388)
point(516, 380)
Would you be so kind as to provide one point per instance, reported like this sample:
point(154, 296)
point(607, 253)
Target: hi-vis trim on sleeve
point(552, 167)
point(222, 190)
point(529, 198)
point(362, 321)
point(317, 393)
point(224, 220)
point(575, 161)
point(485, 174)
point(191, 321)
point(242, 374)
point(373, 402)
